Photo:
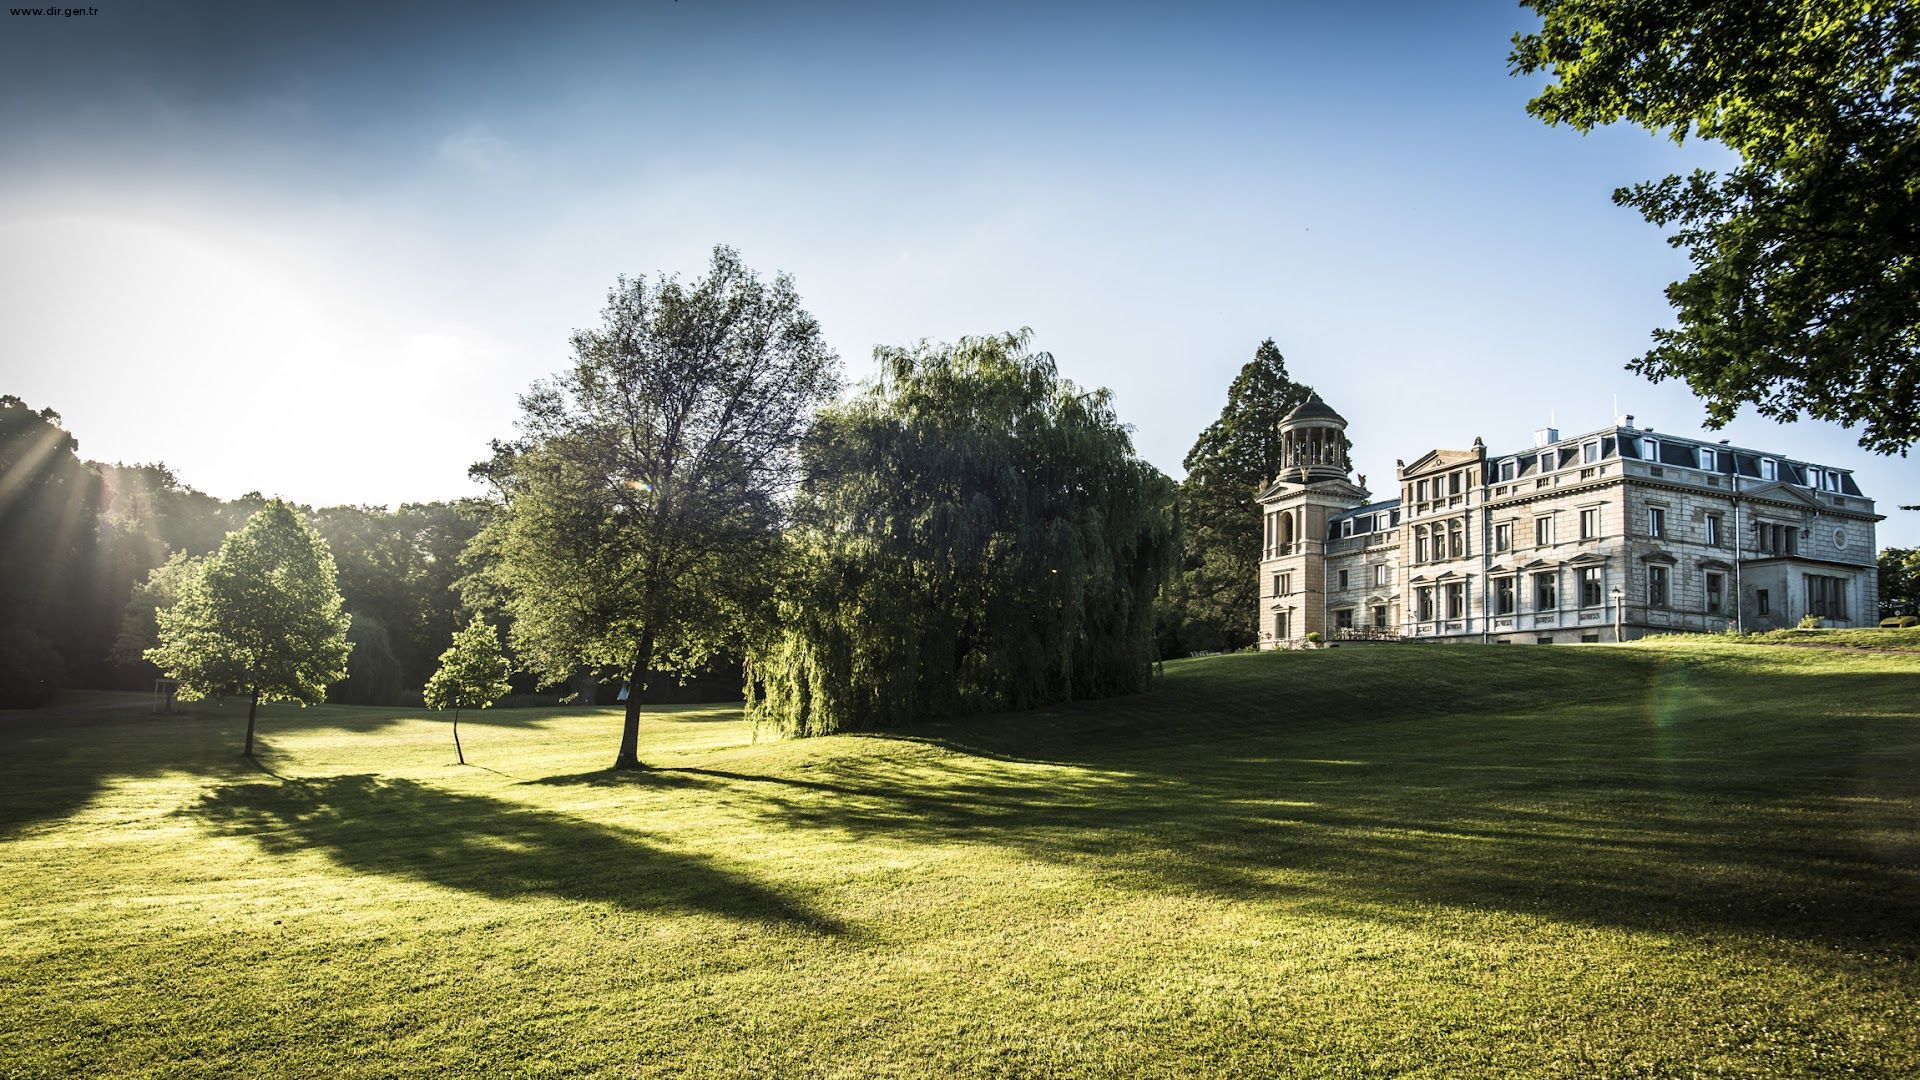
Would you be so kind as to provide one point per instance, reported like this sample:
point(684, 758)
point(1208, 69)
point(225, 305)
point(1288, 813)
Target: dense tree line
point(89, 551)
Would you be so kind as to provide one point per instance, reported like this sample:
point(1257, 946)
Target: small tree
point(473, 675)
point(262, 617)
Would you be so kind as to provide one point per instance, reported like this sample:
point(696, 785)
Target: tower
point(1312, 488)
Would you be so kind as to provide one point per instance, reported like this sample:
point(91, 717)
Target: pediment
point(1659, 557)
point(1588, 559)
point(1439, 459)
point(1782, 492)
point(1338, 489)
point(1715, 564)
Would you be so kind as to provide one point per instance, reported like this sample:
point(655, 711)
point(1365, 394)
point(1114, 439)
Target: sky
point(319, 250)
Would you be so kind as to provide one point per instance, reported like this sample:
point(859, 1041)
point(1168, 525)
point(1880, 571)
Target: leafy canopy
point(641, 504)
point(974, 533)
point(473, 671)
point(262, 616)
point(1805, 292)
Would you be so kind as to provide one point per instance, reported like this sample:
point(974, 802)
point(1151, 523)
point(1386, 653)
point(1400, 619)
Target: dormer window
point(1709, 460)
point(1589, 453)
point(1508, 468)
point(1769, 469)
point(1546, 461)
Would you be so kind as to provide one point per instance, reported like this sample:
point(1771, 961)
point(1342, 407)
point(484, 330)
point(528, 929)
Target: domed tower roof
point(1314, 409)
point(1313, 443)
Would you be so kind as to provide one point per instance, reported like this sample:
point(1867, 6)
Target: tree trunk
point(253, 705)
point(636, 684)
point(457, 752)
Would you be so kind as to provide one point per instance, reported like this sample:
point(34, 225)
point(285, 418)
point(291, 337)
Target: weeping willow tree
point(973, 533)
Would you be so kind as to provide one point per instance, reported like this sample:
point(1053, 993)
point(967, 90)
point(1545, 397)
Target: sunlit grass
point(1682, 857)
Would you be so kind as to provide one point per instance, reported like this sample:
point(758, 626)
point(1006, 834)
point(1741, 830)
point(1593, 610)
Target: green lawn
point(1665, 859)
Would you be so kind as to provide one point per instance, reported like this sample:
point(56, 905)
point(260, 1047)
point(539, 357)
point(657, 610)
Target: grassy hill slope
point(1673, 857)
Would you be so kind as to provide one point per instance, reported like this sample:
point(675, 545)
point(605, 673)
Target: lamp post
point(1619, 615)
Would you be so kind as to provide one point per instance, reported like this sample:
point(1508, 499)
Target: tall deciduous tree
point(1805, 293)
point(262, 617)
point(641, 505)
point(974, 533)
point(472, 675)
point(1236, 456)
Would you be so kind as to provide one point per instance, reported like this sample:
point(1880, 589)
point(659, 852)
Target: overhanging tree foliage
point(472, 675)
point(1805, 294)
point(974, 533)
point(1238, 454)
point(640, 509)
point(262, 617)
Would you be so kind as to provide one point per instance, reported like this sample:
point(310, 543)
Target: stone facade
point(1609, 535)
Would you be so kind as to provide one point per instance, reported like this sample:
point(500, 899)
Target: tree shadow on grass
point(400, 828)
point(1691, 799)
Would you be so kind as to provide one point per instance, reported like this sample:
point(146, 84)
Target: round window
point(1839, 538)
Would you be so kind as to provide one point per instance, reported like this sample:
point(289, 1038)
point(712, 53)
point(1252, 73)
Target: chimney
point(1624, 420)
point(1545, 436)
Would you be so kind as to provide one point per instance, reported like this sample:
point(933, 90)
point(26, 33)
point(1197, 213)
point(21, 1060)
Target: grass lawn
point(1673, 858)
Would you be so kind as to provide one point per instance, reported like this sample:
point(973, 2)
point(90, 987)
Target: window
point(1425, 597)
point(1421, 489)
point(1716, 593)
point(1343, 619)
point(1827, 596)
point(1776, 539)
point(1453, 483)
point(1543, 641)
point(1589, 523)
point(1545, 595)
point(1763, 601)
point(1507, 469)
point(1280, 621)
point(1589, 452)
point(1346, 527)
point(1590, 587)
point(1769, 469)
point(1343, 583)
point(1380, 574)
point(1503, 536)
point(1656, 522)
point(1380, 616)
point(1456, 600)
point(1546, 461)
point(1420, 544)
point(1282, 584)
point(1456, 540)
point(1657, 586)
point(1713, 529)
point(1503, 596)
point(1542, 531)
point(1709, 460)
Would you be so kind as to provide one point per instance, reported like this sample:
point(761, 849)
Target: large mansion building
point(1605, 536)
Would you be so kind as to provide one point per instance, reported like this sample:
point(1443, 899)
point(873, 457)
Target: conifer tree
point(1236, 456)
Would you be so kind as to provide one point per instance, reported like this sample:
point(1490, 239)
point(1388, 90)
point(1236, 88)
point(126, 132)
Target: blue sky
point(319, 251)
